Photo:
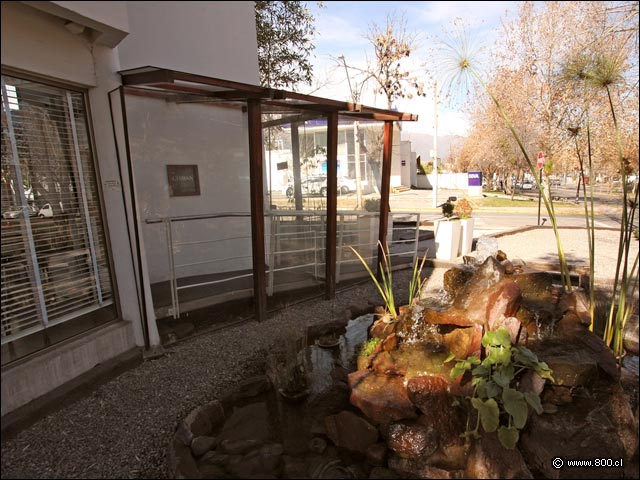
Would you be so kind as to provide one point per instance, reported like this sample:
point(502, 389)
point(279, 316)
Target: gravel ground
point(122, 429)
point(539, 246)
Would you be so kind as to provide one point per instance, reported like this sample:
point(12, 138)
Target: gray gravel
point(122, 430)
point(539, 246)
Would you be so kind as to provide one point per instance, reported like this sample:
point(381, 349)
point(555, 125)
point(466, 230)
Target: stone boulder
point(601, 427)
point(537, 289)
point(456, 278)
point(489, 459)
point(382, 398)
point(418, 468)
point(463, 342)
point(486, 276)
point(248, 422)
point(410, 439)
point(500, 298)
point(349, 431)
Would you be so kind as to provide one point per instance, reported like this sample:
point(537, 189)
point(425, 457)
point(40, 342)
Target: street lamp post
point(435, 145)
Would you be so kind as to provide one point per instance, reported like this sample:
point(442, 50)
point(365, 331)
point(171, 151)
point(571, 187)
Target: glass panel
point(296, 171)
point(54, 262)
point(198, 243)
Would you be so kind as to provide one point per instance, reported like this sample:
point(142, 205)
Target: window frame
point(105, 235)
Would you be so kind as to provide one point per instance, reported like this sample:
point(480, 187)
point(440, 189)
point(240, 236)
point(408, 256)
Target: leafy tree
point(285, 31)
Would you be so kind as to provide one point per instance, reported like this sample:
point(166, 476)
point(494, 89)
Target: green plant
point(367, 347)
point(499, 404)
point(603, 71)
point(385, 286)
point(416, 281)
point(372, 204)
point(447, 209)
point(463, 208)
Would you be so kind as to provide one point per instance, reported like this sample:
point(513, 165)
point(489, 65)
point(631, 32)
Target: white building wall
point(396, 166)
point(407, 163)
point(111, 15)
point(208, 38)
point(37, 43)
point(216, 140)
point(216, 39)
point(106, 22)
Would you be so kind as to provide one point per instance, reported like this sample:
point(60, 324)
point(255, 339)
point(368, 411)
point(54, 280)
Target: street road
point(607, 206)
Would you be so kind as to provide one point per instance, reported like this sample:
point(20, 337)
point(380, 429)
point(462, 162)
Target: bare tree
point(530, 80)
point(393, 45)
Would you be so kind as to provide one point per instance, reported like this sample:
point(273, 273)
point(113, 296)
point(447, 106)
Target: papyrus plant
point(459, 51)
point(603, 71)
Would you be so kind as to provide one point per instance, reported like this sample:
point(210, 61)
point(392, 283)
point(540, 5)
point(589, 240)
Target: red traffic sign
point(540, 159)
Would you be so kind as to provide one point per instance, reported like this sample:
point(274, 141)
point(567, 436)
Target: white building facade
point(76, 286)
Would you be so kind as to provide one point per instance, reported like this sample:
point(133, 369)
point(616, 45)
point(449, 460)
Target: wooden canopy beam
point(257, 209)
point(332, 205)
point(387, 150)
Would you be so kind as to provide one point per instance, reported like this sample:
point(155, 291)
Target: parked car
point(346, 185)
point(555, 182)
point(318, 185)
point(526, 185)
point(46, 211)
point(32, 211)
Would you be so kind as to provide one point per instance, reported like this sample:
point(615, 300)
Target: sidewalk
point(538, 246)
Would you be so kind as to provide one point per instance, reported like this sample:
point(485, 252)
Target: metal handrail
point(314, 235)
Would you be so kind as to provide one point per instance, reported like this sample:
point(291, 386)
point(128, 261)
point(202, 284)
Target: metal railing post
point(415, 252)
point(175, 305)
point(340, 243)
point(272, 255)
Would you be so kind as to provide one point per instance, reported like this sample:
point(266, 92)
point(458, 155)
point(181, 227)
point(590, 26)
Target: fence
point(295, 245)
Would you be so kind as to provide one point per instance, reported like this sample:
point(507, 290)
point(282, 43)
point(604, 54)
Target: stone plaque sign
point(183, 180)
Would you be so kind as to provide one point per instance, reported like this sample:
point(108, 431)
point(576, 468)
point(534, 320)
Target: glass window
point(56, 281)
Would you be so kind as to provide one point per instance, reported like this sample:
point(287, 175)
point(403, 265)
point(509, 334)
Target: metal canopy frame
point(181, 87)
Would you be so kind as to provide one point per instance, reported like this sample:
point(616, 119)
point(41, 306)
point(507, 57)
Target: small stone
point(294, 467)
point(383, 473)
point(202, 444)
point(508, 266)
point(214, 457)
point(198, 422)
point(212, 471)
point(350, 431)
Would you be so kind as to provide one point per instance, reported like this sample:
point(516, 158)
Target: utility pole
point(435, 144)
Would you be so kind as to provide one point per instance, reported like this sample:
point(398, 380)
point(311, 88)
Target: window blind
point(54, 260)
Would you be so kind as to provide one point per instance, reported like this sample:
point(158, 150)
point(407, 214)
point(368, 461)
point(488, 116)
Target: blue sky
point(341, 27)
